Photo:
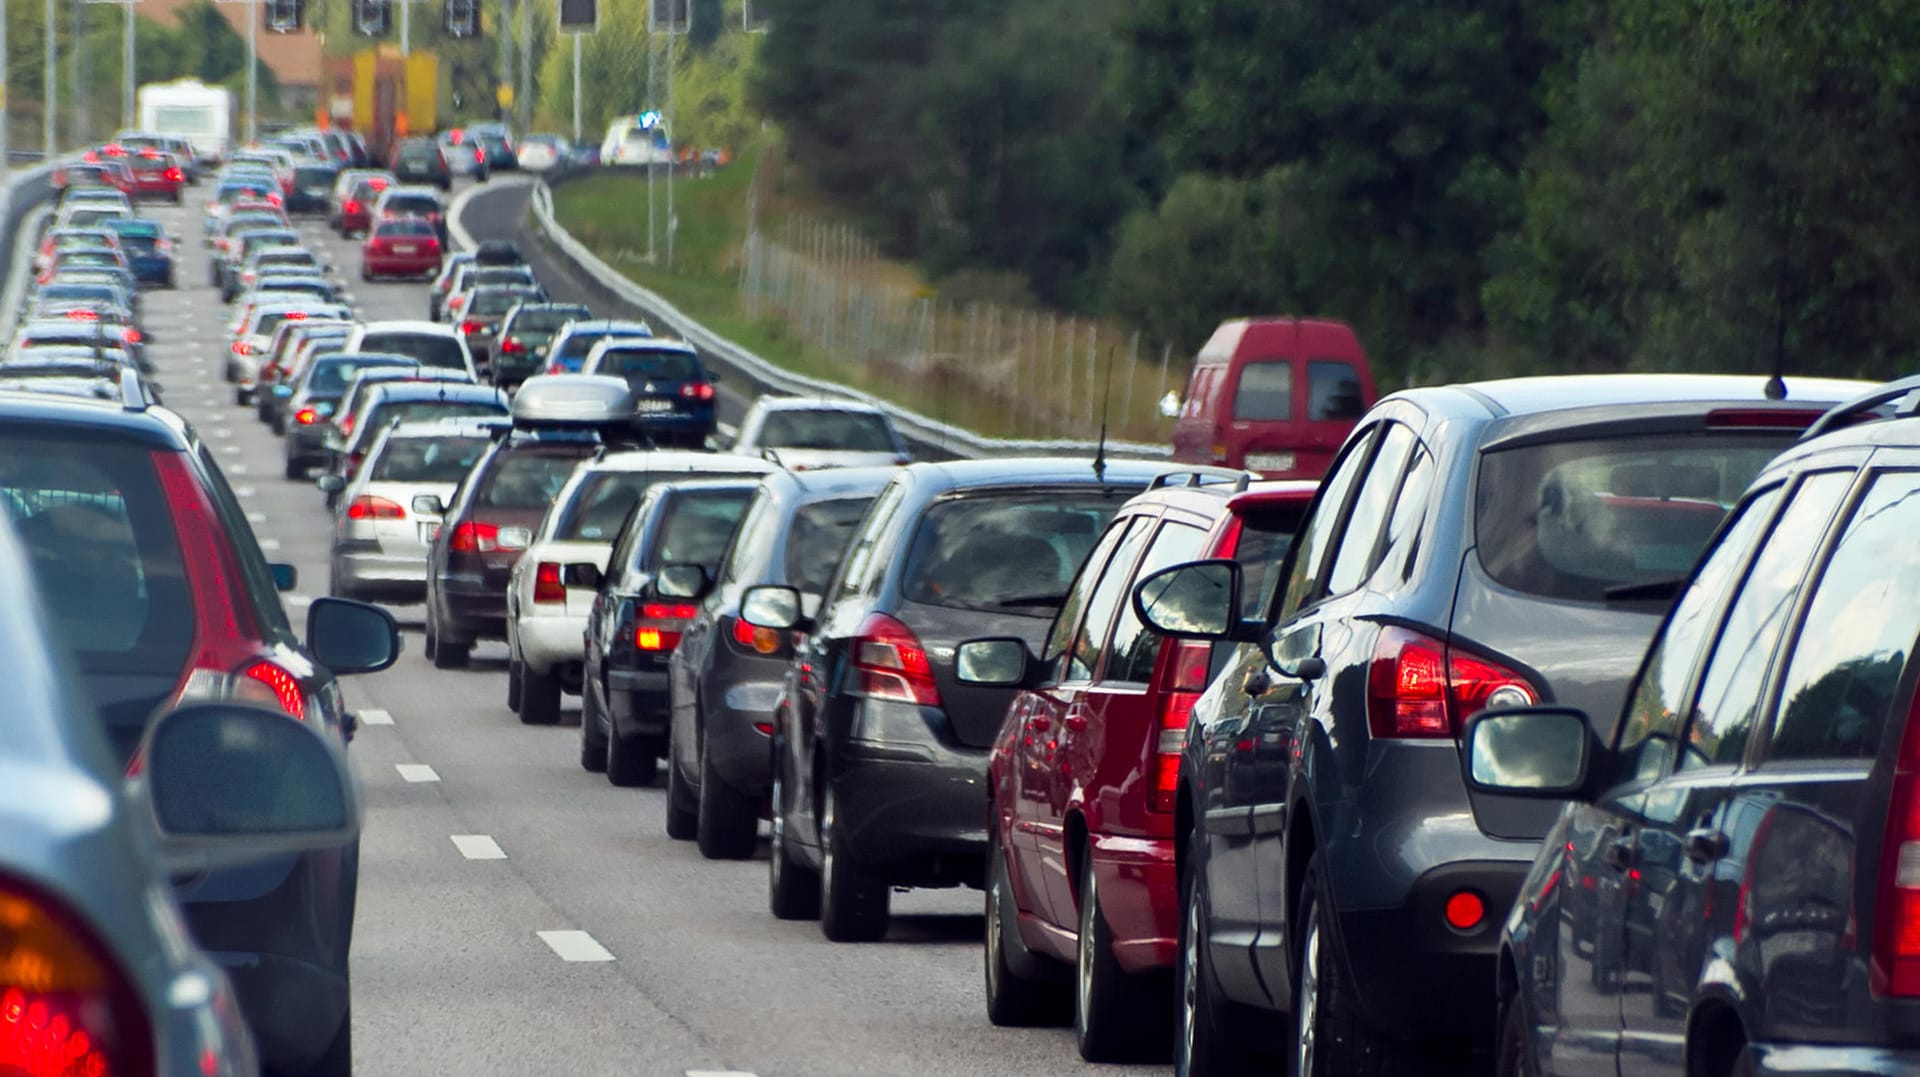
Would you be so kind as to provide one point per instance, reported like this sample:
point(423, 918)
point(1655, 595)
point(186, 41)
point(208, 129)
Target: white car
point(434, 344)
point(541, 153)
point(393, 507)
point(547, 605)
point(803, 433)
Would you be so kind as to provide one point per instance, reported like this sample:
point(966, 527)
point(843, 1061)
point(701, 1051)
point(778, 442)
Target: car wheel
point(632, 761)
point(1117, 1016)
point(793, 890)
point(1019, 993)
point(729, 822)
point(296, 469)
point(431, 647)
point(853, 904)
point(337, 1060)
point(1331, 1036)
point(447, 653)
point(593, 743)
point(1512, 1054)
point(1211, 1033)
point(539, 697)
point(514, 683)
point(683, 816)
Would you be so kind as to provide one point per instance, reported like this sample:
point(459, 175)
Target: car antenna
point(1106, 404)
point(1777, 385)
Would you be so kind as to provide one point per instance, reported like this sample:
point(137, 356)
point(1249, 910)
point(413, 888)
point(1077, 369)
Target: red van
point(1276, 396)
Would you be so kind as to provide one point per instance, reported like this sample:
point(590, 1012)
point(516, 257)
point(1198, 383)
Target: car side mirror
point(773, 606)
point(227, 783)
point(285, 577)
point(428, 505)
point(329, 483)
point(1197, 600)
point(683, 581)
point(994, 663)
point(1543, 753)
point(351, 637)
point(581, 574)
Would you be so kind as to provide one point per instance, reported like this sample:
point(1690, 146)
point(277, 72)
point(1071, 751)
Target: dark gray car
point(313, 397)
point(1473, 547)
point(726, 674)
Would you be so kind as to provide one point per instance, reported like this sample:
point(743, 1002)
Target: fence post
point(1166, 356)
point(1133, 367)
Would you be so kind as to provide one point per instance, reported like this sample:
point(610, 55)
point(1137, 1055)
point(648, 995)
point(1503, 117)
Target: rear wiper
point(1033, 600)
point(1649, 591)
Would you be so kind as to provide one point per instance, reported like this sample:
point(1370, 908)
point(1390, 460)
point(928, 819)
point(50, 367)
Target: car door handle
point(1620, 852)
point(1704, 846)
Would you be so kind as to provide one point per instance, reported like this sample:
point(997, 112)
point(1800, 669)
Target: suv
point(672, 398)
point(1474, 547)
point(725, 674)
point(1742, 839)
point(880, 753)
point(420, 160)
point(150, 575)
point(1082, 781)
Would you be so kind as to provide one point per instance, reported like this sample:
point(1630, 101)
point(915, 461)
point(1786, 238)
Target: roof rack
point(1906, 390)
point(135, 393)
point(1200, 478)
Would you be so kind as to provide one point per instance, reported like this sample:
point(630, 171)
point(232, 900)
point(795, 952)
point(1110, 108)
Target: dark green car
point(520, 345)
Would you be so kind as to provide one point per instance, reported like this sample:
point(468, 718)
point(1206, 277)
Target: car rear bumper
point(477, 612)
point(548, 640)
point(1824, 1060)
point(382, 567)
point(307, 442)
point(401, 265)
point(1140, 893)
point(915, 812)
point(637, 702)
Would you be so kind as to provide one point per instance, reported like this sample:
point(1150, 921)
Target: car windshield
point(495, 300)
point(697, 527)
point(827, 429)
point(332, 375)
point(432, 349)
point(1005, 552)
point(428, 459)
point(817, 538)
point(526, 480)
point(545, 319)
point(1574, 519)
point(647, 364)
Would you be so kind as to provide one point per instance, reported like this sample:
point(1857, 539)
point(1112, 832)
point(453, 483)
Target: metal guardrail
point(914, 425)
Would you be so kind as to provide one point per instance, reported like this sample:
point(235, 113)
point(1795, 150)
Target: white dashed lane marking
point(416, 772)
point(478, 847)
point(255, 517)
point(574, 946)
point(243, 491)
point(269, 544)
point(375, 717)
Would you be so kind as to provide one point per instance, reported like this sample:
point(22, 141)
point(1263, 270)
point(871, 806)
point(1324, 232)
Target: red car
point(155, 174)
point(356, 212)
point(1083, 889)
point(400, 247)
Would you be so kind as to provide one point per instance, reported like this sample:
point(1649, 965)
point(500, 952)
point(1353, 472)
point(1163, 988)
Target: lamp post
point(50, 90)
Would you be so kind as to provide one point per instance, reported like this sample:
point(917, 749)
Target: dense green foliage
point(1479, 185)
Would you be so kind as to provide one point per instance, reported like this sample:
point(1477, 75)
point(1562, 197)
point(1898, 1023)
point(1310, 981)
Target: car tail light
point(266, 683)
point(891, 664)
point(131, 335)
point(1187, 678)
point(1418, 687)
point(456, 302)
point(174, 175)
point(659, 626)
point(369, 507)
point(512, 346)
point(470, 327)
point(699, 390)
point(478, 536)
point(241, 347)
point(378, 183)
point(66, 1007)
point(755, 638)
point(306, 416)
point(1895, 968)
point(546, 583)
point(83, 315)
point(351, 206)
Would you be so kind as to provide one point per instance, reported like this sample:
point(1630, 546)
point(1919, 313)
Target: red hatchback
point(155, 174)
point(400, 247)
point(1083, 776)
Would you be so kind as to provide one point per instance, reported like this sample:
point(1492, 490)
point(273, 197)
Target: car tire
point(431, 646)
point(793, 889)
point(683, 816)
point(337, 1059)
point(539, 697)
point(295, 469)
point(853, 904)
point(729, 821)
point(448, 654)
point(1117, 1016)
point(1512, 1054)
point(631, 761)
point(514, 684)
point(1331, 1037)
point(1019, 992)
point(1211, 1033)
point(593, 743)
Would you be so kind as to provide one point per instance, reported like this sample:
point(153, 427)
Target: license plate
point(654, 407)
point(407, 248)
point(1269, 461)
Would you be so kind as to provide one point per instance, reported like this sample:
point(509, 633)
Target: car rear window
point(826, 428)
point(418, 204)
point(495, 300)
point(697, 527)
point(643, 364)
point(818, 536)
point(1265, 393)
point(332, 375)
point(1333, 390)
point(430, 348)
point(435, 459)
point(526, 480)
point(1012, 552)
point(539, 320)
point(403, 226)
point(600, 506)
point(313, 176)
point(1574, 519)
point(387, 413)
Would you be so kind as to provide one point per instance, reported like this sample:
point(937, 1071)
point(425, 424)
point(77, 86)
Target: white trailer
point(193, 110)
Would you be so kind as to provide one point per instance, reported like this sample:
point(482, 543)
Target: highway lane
point(451, 972)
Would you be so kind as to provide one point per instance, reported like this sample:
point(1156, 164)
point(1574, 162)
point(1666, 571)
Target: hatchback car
point(880, 753)
point(481, 311)
point(450, 267)
point(400, 247)
point(149, 250)
point(1474, 547)
point(313, 395)
point(804, 433)
point(725, 675)
point(420, 160)
point(434, 345)
point(384, 404)
point(1747, 821)
point(412, 202)
point(381, 538)
point(152, 579)
point(520, 349)
point(672, 397)
point(548, 615)
point(462, 279)
point(312, 186)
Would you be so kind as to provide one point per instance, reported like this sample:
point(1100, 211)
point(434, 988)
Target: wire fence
point(1044, 374)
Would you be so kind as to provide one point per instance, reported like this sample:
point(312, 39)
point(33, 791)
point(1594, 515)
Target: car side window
point(1859, 632)
point(1310, 552)
point(1104, 602)
point(261, 594)
point(1644, 744)
point(1735, 676)
point(1360, 545)
point(1053, 657)
point(1406, 523)
point(1131, 656)
point(754, 536)
point(854, 573)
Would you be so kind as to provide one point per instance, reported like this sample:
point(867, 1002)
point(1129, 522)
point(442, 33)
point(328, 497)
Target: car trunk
point(974, 711)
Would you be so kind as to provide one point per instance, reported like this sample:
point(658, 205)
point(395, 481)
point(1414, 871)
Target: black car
point(482, 313)
point(420, 160)
point(672, 390)
point(312, 187)
point(880, 752)
point(726, 674)
point(1753, 802)
point(520, 342)
point(1473, 547)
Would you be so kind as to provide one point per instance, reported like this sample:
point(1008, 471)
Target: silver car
point(381, 537)
point(804, 433)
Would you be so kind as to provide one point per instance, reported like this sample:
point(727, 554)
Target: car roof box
point(572, 400)
point(498, 252)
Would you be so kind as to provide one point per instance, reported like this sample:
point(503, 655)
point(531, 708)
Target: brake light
point(351, 206)
point(84, 315)
point(378, 183)
point(264, 682)
point(306, 416)
point(470, 327)
point(1187, 669)
point(273, 199)
point(546, 583)
point(891, 663)
point(658, 611)
point(456, 302)
point(512, 346)
point(755, 638)
point(131, 335)
point(369, 507)
point(1418, 687)
point(1768, 418)
point(241, 347)
point(699, 390)
point(174, 175)
point(478, 536)
point(1895, 966)
point(66, 1007)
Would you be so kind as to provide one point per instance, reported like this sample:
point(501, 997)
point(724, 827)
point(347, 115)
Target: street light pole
point(576, 87)
point(50, 92)
point(525, 102)
point(126, 68)
point(253, 71)
point(406, 29)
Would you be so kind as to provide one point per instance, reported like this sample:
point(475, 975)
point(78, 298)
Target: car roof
point(458, 391)
point(601, 325)
point(680, 460)
point(1036, 471)
point(816, 403)
point(464, 426)
point(429, 329)
point(1526, 396)
point(830, 482)
point(149, 426)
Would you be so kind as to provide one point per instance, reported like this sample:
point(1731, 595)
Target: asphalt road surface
point(520, 916)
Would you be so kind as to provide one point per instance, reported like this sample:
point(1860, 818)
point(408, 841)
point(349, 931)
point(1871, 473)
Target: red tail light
point(306, 416)
point(240, 347)
point(699, 390)
point(66, 1007)
point(657, 629)
point(369, 507)
point(478, 536)
point(891, 663)
point(1895, 968)
point(264, 682)
point(174, 175)
point(469, 327)
point(456, 302)
point(512, 346)
point(756, 639)
point(1418, 687)
point(131, 335)
point(378, 183)
point(84, 315)
point(546, 583)
point(1187, 678)
point(350, 206)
